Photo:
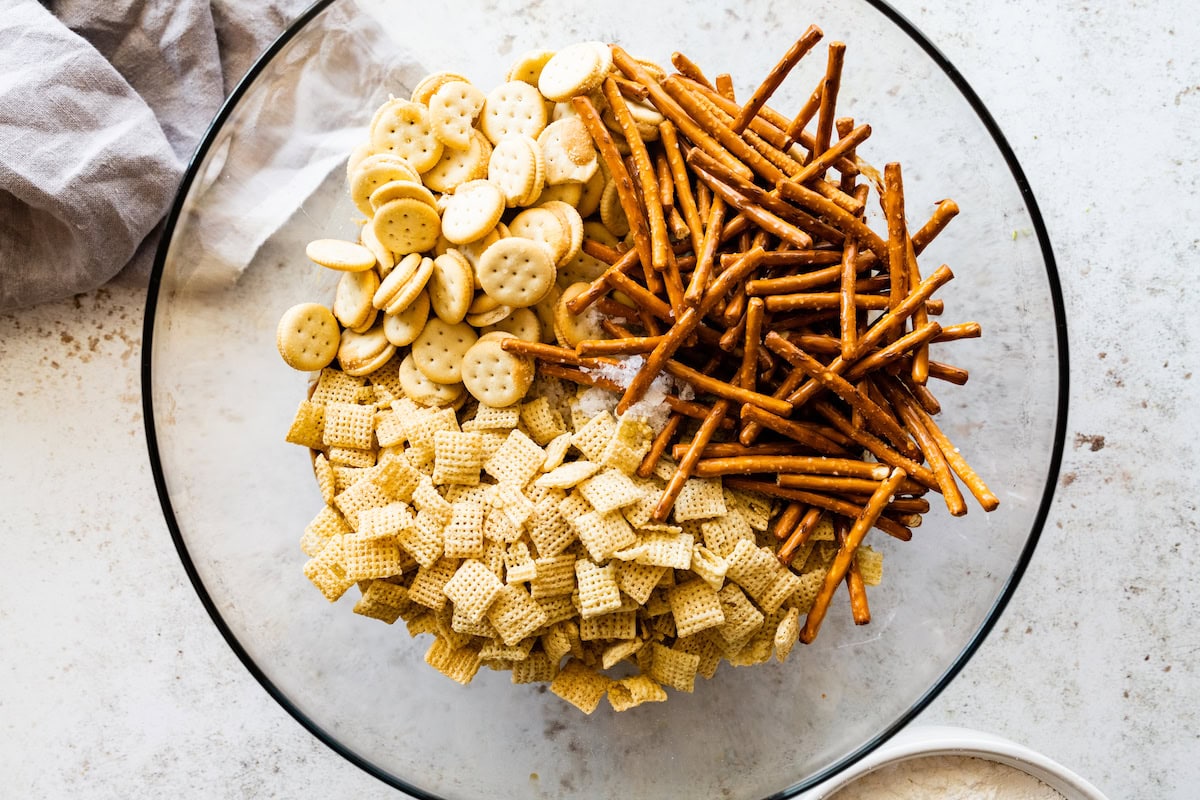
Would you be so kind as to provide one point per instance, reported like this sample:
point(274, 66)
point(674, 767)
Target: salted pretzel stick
point(776, 76)
point(670, 109)
point(882, 357)
point(684, 327)
point(948, 373)
point(812, 301)
point(703, 200)
point(683, 186)
point(803, 465)
point(863, 522)
point(829, 95)
point(792, 258)
point(925, 397)
point(945, 211)
point(787, 520)
point(666, 184)
point(601, 252)
point(659, 445)
point(876, 446)
point(860, 610)
point(817, 343)
point(844, 126)
point(634, 91)
point(684, 470)
point(729, 449)
point(799, 536)
point(837, 484)
point(807, 281)
point(723, 83)
point(837, 506)
point(920, 357)
point(702, 275)
point(751, 428)
point(673, 281)
point(689, 69)
point(754, 325)
point(848, 326)
point(547, 353)
point(796, 431)
point(641, 295)
point(622, 180)
point(728, 391)
point(659, 243)
point(634, 345)
point(793, 129)
point(873, 415)
point(908, 410)
point(816, 167)
point(961, 330)
point(756, 213)
point(961, 468)
point(847, 222)
point(889, 321)
point(600, 286)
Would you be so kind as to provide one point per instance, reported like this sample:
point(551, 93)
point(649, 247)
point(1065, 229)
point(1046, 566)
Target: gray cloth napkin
point(101, 103)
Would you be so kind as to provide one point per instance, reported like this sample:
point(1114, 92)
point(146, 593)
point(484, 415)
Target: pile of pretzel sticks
point(752, 275)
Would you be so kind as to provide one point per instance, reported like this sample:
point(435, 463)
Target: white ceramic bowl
point(927, 741)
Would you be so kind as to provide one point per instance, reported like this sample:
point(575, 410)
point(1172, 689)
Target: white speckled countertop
point(114, 683)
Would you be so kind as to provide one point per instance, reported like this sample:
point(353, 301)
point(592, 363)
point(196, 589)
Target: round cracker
point(307, 336)
point(570, 155)
point(394, 190)
point(569, 193)
point(403, 127)
point(406, 225)
point(424, 391)
point(517, 167)
point(451, 286)
point(459, 166)
point(384, 258)
point(363, 353)
point(516, 271)
point(428, 86)
point(522, 323)
point(545, 227)
point(403, 328)
point(611, 212)
point(408, 293)
point(512, 107)
point(494, 376)
point(352, 298)
point(572, 223)
point(405, 269)
point(528, 66)
point(573, 329)
point(452, 112)
point(373, 172)
point(576, 69)
point(489, 317)
point(438, 351)
point(340, 255)
point(472, 211)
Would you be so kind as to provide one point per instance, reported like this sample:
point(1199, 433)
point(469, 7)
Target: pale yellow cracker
point(619, 651)
point(352, 299)
point(695, 606)
point(403, 128)
point(307, 336)
point(512, 107)
point(424, 391)
point(638, 580)
point(705, 649)
point(569, 193)
point(810, 585)
point(404, 327)
point(517, 167)
point(580, 685)
point(495, 376)
point(610, 490)
point(568, 151)
point(326, 482)
point(721, 535)
point(787, 634)
point(472, 211)
point(383, 601)
point(516, 271)
point(576, 69)
point(370, 557)
point(634, 691)
point(628, 446)
point(349, 425)
point(451, 286)
point(406, 225)
point(375, 171)
point(494, 650)
point(700, 498)
point(427, 588)
point(542, 420)
point(556, 451)
point(603, 534)
point(428, 86)
point(352, 456)
point(599, 592)
point(459, 665)
point(515, 614)
point(589, 204)
point(363, 353)
point(756, 508)
point(559, 608)
point(386, 382)
point(327, 572)
point(308, 426)
point(463, 536)
point(457, 458)
point(709, 566)
point(491, 317)
point(571, 224)
point(742, 619)
point(395, 190)
point(555, 576)
point(573, 506)
point(335, 386)
point(389, 429)
point(427, 499)
point(456, 167)
point(422, 539)
point(660, 550)
point(536, 669)
point(385, 260)
point(522, 323)
point(528, 66)
point(439, 351)
point(549, 531)
point(340, 255)
point(511, 500)
point(547, 228)
point(396, 478)
point(611, 212)
point(783, 588)
point(385, 521)
point(327, 524)
point(452, 112)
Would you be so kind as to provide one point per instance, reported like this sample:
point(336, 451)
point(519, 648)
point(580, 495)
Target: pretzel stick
point(633, 345)
point(659, 243)
point(641, 295)
point(787, 520)
point(805, 465)
point(723, 83)
point(844, 126)
point(948, 373)
point(840, 217)
point(756, 213)
point(910, 413)
point(817, 343)
point(876, 446)
point(799, 536)
point(728, 391)
point(849, 301)
point(945, 211)
point(796, 431)
point(920, 357)
point(659, 445)
point(961, 330)
point(793, 129)
point(601, 252)
point(860, 610)
point(829, 95)
point(925, 397)
point(837, 484)
point(597, 288)
point(816, 167)
point(689, 69)
point(684, 470)
point(843, 507)
point(703, 200)
point(791, 258)
point(961, 468)
point(729, 449)
point(542, 352)
point(634, 91)
point(776, 76)
point(666, 184)
point(796, 284)
point(873, 415)
point(674, 283)
point(702, 275)
point(841, 563)
point(683, 186)
point(670, 109)
point(810, 301)
point(881, 358)
point(751, 428)
point(621, 179)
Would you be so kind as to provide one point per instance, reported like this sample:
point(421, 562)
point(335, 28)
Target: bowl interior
point(270, 177)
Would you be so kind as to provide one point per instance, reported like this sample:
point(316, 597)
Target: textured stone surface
point(113, 682)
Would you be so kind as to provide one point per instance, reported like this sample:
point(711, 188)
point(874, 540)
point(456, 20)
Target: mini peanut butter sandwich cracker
point(617, 376)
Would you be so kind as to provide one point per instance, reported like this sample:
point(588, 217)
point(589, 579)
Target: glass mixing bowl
point(268, 177)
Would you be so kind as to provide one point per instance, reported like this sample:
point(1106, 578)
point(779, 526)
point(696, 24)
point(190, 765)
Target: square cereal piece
point(352, 457)
point(870, 564)
point(472, 590)
point(810, 585)
point(556, 642)
point(324, 526)
point(493, 556)
point(599, 592)
point(420, 621)
point(700, 498)
point(573, 505)
point(660, 550)
point(665, 469)
point(800, 558)
point(628, 445)
point(821, 556)
point(593, 438)
point(548, 530)
point(616, 653)
point(756, 508)
point(536, 669)
point(428, 587)
point(617, 625)
point(640, 512)
point(753, 568)
point(519, 565)
point(457, 458)
point(383, 601)
point(385, 521)
point(705, 649)
point(580, 685)
point(787, 634)
point(495, 650)
point(515, 614)
point(363, 494)
point(638, 580)
point(634, 691)
point(463, 536)
point(308, 426)
point(459, 665)
point(558, 608)
point(567, 476)
point(603, 534)
point(396, 478)
point(326, 480)
point(785, 585)
point(389, 428)
point(542, 420)
point(460, 624)
point(695, 606)
point(512, 501)
point(492, 441)
point(428, 499)
point(445, 628)
point(499, 527)
point(420, 426)
point(422, 539)
point(709, 567)
point(555, 576)
point(673, 668)
point(489, 418)
point(742, 619)
point(721, 535)
point(370, 557)
point(823, 532)
point(610, 490)
point(556, 451)
point(516, 461)
point(386, 381)
point(335, 386)
point(327, 572)
point(349, 425)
